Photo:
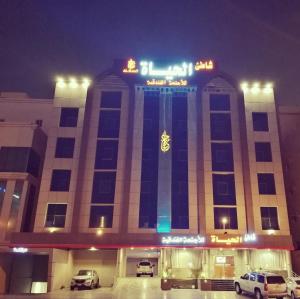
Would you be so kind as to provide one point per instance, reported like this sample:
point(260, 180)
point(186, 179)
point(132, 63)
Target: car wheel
point(238, 289)
point(258, 294)
point(151, 274)
point(138, 275)
point(72, 288)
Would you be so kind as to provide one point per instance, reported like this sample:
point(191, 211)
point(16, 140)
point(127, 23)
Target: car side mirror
point(242, 277)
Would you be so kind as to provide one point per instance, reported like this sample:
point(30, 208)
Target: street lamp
point(224, 221)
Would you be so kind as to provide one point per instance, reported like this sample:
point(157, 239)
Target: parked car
point(85, 279)
point(293, 286)
point(144, 268)
point(262, 285)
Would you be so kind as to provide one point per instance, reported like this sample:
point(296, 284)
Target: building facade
point(174, 163)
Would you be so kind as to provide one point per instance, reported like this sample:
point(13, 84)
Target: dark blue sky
point(250, 39)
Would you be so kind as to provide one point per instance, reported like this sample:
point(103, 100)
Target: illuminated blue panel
point(164, 166)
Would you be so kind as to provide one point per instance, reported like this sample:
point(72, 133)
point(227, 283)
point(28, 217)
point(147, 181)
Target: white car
point(144, 268)
point(293, 285)
point(85, 279)
point(262, 285)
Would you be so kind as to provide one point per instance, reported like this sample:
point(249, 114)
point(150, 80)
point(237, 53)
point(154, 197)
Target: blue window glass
point(111, 99)
point(269, 218)
point(224, 189)
point(56, 215)
point(222, 156)
point(104, 187)
point(2, 193)
point(68, 117)
point(263, 152)
point(109, 124)
point(260, 121)
point(220, 126)
point(64, 147)
point(60, 180)
point(225, 218)
point(106, 154)
point(266, 183)
point(101, 216)
point(219, 102)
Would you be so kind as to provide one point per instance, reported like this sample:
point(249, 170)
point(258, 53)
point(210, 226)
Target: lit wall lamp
point(257, 87)
point(224, 221)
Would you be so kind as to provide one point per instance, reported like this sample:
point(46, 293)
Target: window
point(224, 189)
point(263, 152)
point(109, 124)
point(56, 215)
point(2, 193)
point(261, 278)
point(220, 214)
point(220, 126)
point(15, 205)
point(101, 216)
point(266, 183)
point(64, 147)
point(60, 180)
point(19, 159)
point(106, 154)
point(252, 277)
point(104, 187)
point(269, 218)
point(219, 102)
point(111, 99)
point(260, 121)
point(222, 156)
point(68, 117)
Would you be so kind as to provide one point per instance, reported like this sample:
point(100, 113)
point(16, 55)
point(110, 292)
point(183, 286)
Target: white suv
point(144, 268)
point(85, 279)
point(262, 285)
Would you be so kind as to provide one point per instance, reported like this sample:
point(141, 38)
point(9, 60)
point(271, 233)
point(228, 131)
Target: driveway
point(131, 288)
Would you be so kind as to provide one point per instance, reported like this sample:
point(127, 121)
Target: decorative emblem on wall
point(165, 142)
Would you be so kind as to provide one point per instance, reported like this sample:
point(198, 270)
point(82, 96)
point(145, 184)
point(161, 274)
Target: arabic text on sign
point(166, 82)
point(204, 65)
point(183, 240)
point(165, 142)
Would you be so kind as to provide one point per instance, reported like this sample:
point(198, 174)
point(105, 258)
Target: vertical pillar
point(164, 163)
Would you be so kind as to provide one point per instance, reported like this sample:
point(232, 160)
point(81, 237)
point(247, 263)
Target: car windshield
point(85, 272)
point(144, 264)
point(275, 279)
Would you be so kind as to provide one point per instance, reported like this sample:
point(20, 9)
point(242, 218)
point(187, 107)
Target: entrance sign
point(20, 249)
point(183, 240)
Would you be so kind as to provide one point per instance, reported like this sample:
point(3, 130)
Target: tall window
point(220, 126)
point(269, 218)
point(224, 189)
point(68, 117)
point(260, 121)
point(219, 102)
point(60, 180)
point(106, 154)
point(111, 99)
point(263, 152)
point(101, 216)
point(104, 187)
point(109, 124)
point(266, 183)
point(222, 156)
point(56, 215)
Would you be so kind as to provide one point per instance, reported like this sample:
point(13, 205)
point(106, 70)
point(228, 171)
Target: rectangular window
point(29, 210)
point(222, 156)
point(220, 126)
point(106, 154)
point(101, 216)
point(56, 215)
point(225, 218)
point(269, 218)
point(263, 152)
point(15, 205)
point(260, 121)
point(111, 99)
point(224, 189)
point(64, 147)
point(2, 193)
point(109, 124)
point(68, 117)
point(219, 102)
point(104, 187)
point(266, 183)
point(60, 180)
point(149, 175)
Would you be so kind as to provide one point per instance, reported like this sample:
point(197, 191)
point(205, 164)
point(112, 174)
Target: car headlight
point(88, 281)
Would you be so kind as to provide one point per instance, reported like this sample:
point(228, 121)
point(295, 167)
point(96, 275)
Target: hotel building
point(174, 163)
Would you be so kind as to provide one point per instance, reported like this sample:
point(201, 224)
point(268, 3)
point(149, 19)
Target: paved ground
point(131, 288)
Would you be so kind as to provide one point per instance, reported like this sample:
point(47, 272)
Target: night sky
point(251, 39)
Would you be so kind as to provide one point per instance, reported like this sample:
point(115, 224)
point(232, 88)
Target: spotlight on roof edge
point(256, 87)
point(73, 82)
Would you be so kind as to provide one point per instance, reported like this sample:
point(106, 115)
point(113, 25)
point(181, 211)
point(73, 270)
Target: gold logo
point(165, 142)
point(131, 67)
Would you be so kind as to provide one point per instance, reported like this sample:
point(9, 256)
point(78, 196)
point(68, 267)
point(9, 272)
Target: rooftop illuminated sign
point(170, 75)
point(183, 240)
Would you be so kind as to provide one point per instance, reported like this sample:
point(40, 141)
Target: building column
point(164, 216)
